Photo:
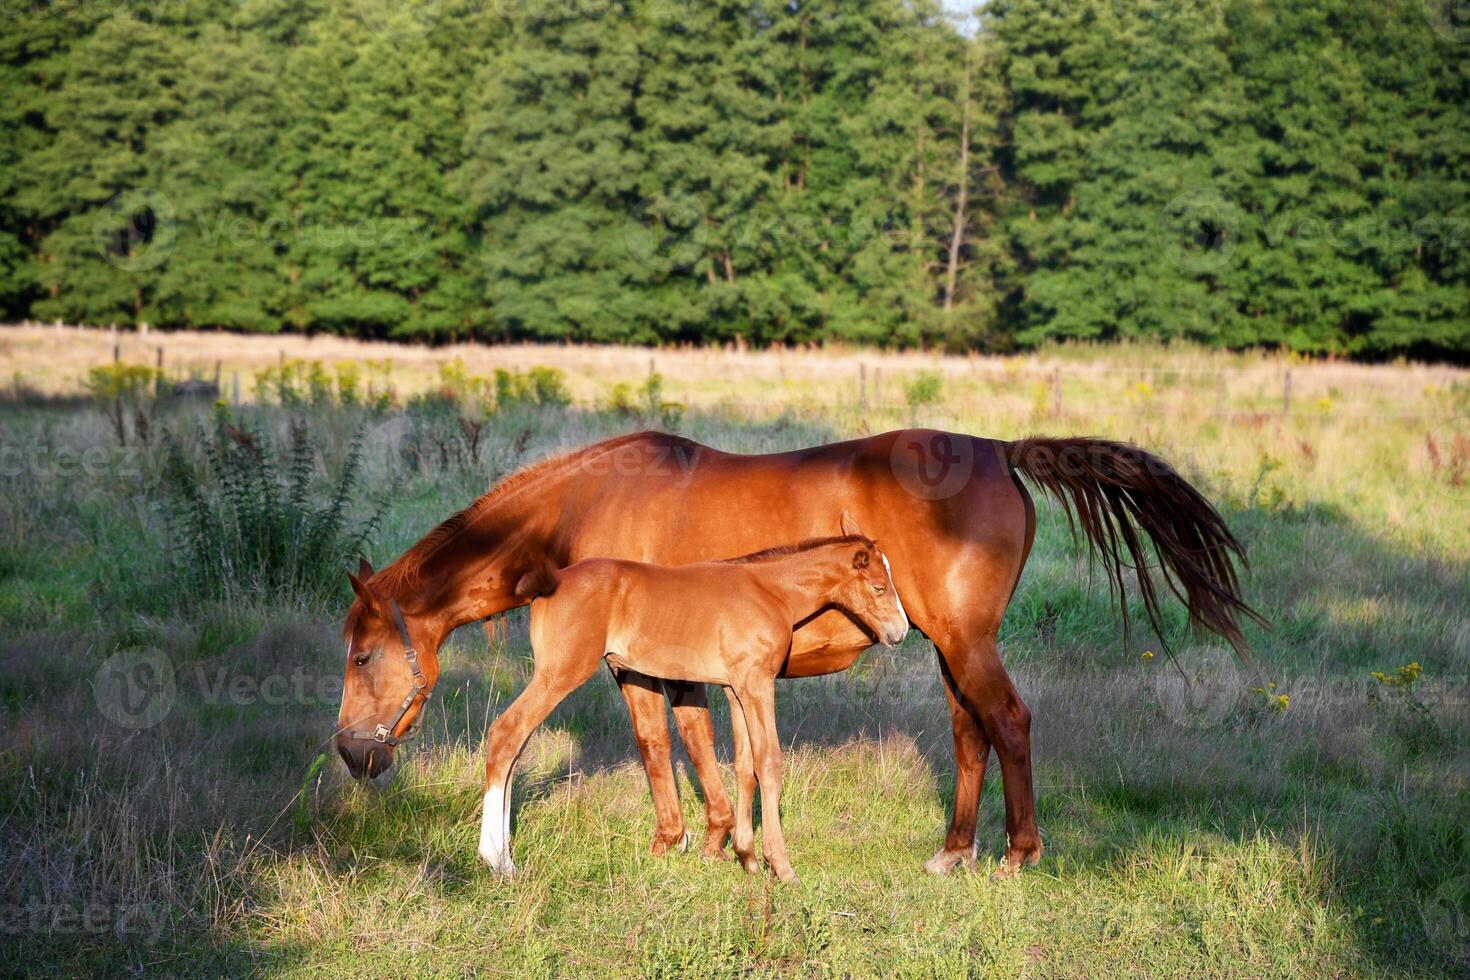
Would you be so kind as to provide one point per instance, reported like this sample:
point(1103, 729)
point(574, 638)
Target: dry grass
point(1198, 831)
point(1131, 379)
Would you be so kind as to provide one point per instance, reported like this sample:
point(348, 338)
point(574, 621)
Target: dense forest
point(1234, 172)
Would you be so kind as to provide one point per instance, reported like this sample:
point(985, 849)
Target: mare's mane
point(404, 572)
point(792, 549)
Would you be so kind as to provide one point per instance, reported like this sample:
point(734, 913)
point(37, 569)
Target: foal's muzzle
point(364, 759)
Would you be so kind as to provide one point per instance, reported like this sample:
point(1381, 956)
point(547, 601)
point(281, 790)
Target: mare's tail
point(1113, 489)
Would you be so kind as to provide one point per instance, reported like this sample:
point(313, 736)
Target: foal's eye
point(879, 589)
point(361, 659)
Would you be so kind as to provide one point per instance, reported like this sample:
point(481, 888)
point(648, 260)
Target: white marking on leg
point(889, 569)
point(495, 832)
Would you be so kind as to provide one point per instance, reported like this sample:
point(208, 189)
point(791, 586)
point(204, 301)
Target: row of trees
point(1236, 172)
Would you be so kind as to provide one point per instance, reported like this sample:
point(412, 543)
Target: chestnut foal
point(727, 623)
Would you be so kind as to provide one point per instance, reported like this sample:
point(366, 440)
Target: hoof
point(750, 864)
point(663, 845)
point(500, 864)
point(1015, 858)
point(714, 842)
point(946, 861)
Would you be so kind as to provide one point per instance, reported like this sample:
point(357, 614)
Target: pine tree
point(550, 165)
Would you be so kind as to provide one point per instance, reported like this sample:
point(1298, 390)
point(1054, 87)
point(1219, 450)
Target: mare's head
point(391, 668)
point(868, 592)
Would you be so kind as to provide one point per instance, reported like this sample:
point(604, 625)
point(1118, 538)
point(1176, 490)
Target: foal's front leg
point(758, 703)
point(744, 840)
point(503, 744)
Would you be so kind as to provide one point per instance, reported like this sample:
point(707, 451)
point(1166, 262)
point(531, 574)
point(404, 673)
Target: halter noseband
point(384, 733)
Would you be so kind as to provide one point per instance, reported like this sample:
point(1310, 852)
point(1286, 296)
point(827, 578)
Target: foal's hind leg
point(744, 786)
point(645, 699)
point(691, 714)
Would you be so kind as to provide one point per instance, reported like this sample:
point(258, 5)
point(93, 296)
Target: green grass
point(1225, 838)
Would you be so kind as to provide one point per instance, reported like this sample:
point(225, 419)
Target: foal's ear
point(849, 526)
point(860, 558)
point(364, 568)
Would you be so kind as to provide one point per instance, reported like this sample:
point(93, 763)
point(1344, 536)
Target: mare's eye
point(879, 589)
point(361, 659)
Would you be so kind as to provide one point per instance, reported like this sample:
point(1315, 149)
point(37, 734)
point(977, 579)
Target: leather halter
point(384, 733)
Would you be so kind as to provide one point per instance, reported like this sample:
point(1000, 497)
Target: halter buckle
point(381, 733)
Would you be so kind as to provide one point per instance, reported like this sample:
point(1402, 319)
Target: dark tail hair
point(1113, 489)
point(540, 580)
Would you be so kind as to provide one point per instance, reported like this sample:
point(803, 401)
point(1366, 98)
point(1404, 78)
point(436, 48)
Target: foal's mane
point(792, 549)
point(403, 573)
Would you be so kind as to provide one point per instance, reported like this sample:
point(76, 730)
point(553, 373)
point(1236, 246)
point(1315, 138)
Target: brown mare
point(728, 623)
point(955, 520)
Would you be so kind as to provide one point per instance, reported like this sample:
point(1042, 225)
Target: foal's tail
point(1113, 489)
point(541, 580)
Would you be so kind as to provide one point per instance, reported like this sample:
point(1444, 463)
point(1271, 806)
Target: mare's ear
point(849, 526)
point(364, 568)
point(860, 558)
point(363, 592)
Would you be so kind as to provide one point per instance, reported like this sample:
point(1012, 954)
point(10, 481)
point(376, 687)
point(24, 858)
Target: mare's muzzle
point(364, 759)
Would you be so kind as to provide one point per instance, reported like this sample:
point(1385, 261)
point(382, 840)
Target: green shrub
point(542, 387)
point(119, 389)
point(925, 388)
point(245, 524)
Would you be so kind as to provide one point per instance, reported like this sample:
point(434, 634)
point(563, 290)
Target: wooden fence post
point(1286, 393)
point(1056, 382)
point(158, 381)
point(862, 387)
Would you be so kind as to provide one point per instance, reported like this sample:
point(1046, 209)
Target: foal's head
point(385, 687)
point(867, 592)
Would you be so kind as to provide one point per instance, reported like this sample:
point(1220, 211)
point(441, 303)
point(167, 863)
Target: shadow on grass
point(1378, 788)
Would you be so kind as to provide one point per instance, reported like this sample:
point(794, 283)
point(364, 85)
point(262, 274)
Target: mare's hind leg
point(507, 737)
point(645, 699)
point(744, 785)
point(970, 745)
point(691, 714)
point(974, 673)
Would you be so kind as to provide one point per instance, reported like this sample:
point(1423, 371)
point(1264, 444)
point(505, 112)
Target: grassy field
point(1303, 814)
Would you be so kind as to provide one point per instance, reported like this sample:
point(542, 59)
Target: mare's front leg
point(758, 702)
point(645, 699)
point(691, 714)
point(555, 678)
